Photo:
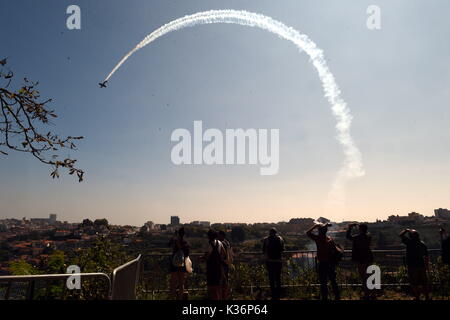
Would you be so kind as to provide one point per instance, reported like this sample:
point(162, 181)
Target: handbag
point(188, 264)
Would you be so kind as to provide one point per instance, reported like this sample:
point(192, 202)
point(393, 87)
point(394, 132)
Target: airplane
point(103, 84)
point(3, 62)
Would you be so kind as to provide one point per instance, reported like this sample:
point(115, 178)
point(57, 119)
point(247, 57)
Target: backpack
point(215, 259)
point(446, 251)
point(214, 266)
point(229, 253)
point(178, 258)
point(337, 253)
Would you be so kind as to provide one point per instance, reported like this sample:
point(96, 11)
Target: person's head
point(181, 232)
point(323, 229)
point(212, 235)
point(221, 235)
point(414, 235)
point(362, 228)
point(273, 232)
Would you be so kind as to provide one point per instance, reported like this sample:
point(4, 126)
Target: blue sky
point(395, 81)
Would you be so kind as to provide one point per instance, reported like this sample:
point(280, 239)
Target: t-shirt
point(324, 245)
point(416, 251)
point(177, 244)
point(361, 251)
point(273, 247)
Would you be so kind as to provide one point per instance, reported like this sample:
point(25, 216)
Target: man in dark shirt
point(273, 247)
point(361, 252)
point(417, 262)
point(327, 267)
point(445, 244)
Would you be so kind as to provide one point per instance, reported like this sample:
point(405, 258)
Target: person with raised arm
point(417, 262)
point(326, 262)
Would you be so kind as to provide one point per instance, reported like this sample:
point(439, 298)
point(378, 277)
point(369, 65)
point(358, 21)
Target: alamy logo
point(73, 22)
point(236, 146)
point(73, 281)
point(374, 280)
point(374, 19)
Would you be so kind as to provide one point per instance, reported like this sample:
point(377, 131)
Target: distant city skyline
point(175, 220)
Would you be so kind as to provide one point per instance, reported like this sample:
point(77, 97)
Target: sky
point(395, 81)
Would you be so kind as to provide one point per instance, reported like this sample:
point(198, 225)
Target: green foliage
point(56, 263)
point(22, 267)
point(101, 223)
point(238, 234)
point(101, 256)
point(87, 223)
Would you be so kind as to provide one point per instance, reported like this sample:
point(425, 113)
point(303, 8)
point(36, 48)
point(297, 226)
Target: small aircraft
point(103, 84)
point(3, 62)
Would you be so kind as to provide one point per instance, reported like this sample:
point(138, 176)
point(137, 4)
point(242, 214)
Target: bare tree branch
point(23, 118)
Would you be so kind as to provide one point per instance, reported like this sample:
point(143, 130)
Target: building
point(206, 224)
point(410, 219)
point(50, 220)
point(174, 220)
point(442, 213)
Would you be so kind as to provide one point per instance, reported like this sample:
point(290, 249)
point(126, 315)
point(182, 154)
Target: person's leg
point(173, 285)
point(225, 292)
point(181, 282)
point(214, 292)
point(362, 270)
point(425, 285)
point(323, 279)
point(332, 277)
point(415, 291)
point(277, 281)
point(225, 285)
point(271, 272)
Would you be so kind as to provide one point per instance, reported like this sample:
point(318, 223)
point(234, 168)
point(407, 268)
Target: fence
point(248, 277)
point(148, 276)
point(53, 286)
point(125, 279)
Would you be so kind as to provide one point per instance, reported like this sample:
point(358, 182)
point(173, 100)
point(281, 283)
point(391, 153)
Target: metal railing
point(44, 283)
point(148, 275)
point(125, 280)
point(299, 275)
point(121, 286)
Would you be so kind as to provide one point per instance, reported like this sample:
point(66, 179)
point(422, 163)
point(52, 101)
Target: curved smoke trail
point(353, 164)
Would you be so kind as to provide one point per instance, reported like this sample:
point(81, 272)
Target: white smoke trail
point(352, 164)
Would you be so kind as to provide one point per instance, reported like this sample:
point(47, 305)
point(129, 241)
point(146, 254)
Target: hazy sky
point(395, 81)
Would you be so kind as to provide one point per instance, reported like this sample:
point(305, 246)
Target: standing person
point(445, 244)
point(180, 251)
point(227, 263)
point(273, 247)
point(417, 261)
point(361, 253)
point(215, 261)
point(327, 264)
